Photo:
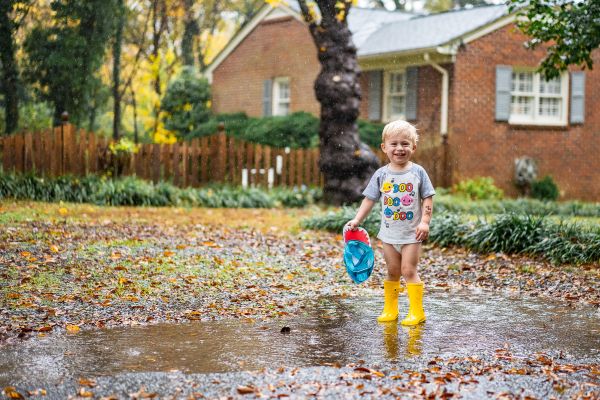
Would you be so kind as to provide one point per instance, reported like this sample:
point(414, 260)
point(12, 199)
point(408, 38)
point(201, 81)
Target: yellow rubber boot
point(416, 315)
point(390, 301)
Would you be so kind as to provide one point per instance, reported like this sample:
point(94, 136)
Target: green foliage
point(123, 146)
point(568, 28)
point(234, 125)
point(35, 116)
point(63, 58)
point(185, 103)
point(131, 191)
point(558, 243)
point(480, 188)
point(461, 205)
point(370, 132)
point(297, 130)
point(544, 189)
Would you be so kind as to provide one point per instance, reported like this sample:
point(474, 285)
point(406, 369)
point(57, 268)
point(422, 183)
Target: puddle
point(330, 330)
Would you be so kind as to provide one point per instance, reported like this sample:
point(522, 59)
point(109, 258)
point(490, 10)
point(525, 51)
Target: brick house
point(463, 77)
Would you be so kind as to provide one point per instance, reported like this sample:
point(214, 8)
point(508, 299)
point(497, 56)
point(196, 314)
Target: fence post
point(221, 153)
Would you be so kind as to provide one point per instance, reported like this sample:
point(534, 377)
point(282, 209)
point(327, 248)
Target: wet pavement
point(329, 331)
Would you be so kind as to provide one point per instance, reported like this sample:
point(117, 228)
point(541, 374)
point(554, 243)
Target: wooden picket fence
point(65, 150)
point(211, 159)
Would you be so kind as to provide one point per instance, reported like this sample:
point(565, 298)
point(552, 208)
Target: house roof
point(378, 32)
point(364, 21)
point(429, 31)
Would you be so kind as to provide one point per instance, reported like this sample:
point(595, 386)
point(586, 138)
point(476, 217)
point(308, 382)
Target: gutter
point(445, 90)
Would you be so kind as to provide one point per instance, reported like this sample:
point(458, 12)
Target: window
point(394, 95)
point(533, 100)
point(281, 96)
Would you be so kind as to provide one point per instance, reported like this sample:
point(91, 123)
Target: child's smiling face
point(399, 148)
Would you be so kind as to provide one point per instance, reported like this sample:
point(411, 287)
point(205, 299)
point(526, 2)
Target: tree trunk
point(189, 32)
point(345, 161)
point(136, 136)
point(117, 70)
point(10, 74)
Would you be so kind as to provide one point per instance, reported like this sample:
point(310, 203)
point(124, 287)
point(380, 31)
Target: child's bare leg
point(410, 259)
point(393, 260)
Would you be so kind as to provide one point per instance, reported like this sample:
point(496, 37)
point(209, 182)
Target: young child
point(406, 195)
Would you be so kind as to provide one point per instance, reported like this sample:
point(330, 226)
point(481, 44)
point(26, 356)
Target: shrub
point(544, 189)
point(520, 206)
point(234, 124)
point(481, 188)
point(558, 243)
point(132, 191)
point(185, 104)
point(370, 132)
point(297, 130)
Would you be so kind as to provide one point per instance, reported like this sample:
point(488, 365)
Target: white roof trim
point(267, 12)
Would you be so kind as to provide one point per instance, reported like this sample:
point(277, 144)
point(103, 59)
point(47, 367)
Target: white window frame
point(278, 100)
point(537, 119)
point(386, 107)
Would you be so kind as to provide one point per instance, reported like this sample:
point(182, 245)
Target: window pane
point(284, 90)
point(284, 109)
point(522, 81)
point(396, 83)
point(551, 87)
point(549, 107)
point(397, 105)
point(521, 105)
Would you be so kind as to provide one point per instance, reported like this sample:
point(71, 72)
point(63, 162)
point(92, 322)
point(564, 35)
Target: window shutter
point(411, 93)
point(577, 97)
point(267, 98)
point(375, 93)
point(503, 84)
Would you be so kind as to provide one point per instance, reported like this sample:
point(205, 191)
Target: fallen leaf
point(12, 393)
point(72, 328)
point(87, 382)
point(245, 389)
point(84, 393)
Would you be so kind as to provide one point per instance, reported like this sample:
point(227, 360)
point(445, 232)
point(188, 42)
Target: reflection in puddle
point(330, 330)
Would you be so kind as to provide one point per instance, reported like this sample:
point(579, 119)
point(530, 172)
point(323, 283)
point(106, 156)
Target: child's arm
point(423, 228)
point(365, 208)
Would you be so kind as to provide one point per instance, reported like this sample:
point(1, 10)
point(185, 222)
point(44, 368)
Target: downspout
point(445, 90)
point(447, 174)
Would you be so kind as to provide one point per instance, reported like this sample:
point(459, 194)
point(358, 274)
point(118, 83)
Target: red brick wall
point(480, 146)
point(276, 48)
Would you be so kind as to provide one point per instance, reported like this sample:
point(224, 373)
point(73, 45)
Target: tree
point(570, 29)
point(64, 58)
point(12, 13)
point(118, 41)
point(185, 104)
point(345, 161)
point(190, 30)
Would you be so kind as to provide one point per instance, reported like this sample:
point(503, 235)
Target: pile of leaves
point(512, 233)
point(132, 191)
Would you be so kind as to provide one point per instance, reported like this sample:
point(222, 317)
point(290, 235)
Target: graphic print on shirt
point(398, 201)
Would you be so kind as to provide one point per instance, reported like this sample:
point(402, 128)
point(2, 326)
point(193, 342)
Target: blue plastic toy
point(358, 255)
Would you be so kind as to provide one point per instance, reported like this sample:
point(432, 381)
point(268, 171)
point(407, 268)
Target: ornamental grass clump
point(559, 243)
point(511, 233)
point(131, 191)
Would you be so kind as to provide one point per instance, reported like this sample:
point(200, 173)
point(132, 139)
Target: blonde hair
point(398, 127)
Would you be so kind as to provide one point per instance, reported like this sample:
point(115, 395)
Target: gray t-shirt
point(401, 194)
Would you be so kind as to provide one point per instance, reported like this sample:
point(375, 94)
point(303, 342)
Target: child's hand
point(422, 231)
point(353, 224)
